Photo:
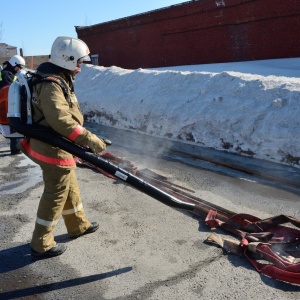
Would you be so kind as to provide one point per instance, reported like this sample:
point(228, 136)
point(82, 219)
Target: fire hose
point(258, 236)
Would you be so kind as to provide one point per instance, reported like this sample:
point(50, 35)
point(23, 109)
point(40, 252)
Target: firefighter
point(56, 106)
point(7, 76)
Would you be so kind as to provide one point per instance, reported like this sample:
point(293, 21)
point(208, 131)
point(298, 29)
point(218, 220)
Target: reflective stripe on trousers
point(61, 196)
point(65, 212)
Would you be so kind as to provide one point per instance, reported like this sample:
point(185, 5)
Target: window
point(95, 59)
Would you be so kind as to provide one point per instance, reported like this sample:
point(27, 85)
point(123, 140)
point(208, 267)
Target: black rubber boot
point(94, 226)
point(58, 249)
point(15, 146)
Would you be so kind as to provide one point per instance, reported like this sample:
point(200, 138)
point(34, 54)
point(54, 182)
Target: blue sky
point(33, 25)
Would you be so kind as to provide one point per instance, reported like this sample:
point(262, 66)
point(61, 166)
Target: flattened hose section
point(49, 136)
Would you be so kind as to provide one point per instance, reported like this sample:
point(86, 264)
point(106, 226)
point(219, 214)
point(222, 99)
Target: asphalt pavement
point(143, 249)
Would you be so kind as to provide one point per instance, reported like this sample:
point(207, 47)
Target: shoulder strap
point(36, 78)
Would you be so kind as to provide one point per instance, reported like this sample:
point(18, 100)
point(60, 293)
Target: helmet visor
point(20, 66)
point(84, 58)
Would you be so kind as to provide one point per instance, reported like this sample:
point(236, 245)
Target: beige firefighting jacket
point(52, 109)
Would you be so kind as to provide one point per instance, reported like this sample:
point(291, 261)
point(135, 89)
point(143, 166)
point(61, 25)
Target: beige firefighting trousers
point(61, 196)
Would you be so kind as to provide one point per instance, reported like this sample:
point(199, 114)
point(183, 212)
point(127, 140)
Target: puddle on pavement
point(28, 179)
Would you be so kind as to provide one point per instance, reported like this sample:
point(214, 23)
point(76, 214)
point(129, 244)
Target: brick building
point(198, 32)
point(32, 62)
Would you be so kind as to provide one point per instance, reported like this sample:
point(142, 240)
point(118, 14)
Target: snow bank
point(238, 112)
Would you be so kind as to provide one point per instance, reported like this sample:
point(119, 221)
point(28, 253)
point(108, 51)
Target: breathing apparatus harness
point(20, 95)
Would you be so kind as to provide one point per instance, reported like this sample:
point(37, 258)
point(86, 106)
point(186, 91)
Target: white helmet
point(17, 61)
point(66, 52)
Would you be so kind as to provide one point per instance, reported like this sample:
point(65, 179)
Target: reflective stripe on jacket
point(50, 160)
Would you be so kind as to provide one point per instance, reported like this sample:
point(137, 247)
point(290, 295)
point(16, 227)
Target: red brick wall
point(198, 32)
point(32, 62)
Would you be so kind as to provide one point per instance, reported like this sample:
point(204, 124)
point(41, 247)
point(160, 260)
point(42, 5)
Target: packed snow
point(249, 108)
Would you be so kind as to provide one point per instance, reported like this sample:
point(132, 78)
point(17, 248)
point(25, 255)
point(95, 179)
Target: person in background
point(8, 76)
point(56, 106)
point(4, 64)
